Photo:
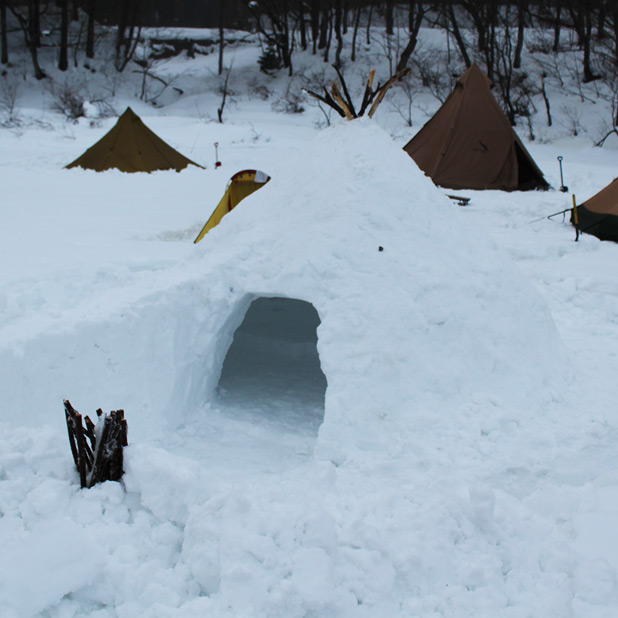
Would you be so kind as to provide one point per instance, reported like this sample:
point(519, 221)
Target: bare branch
point(328, 100)
point(369, 93)
point(382, 91)
point(337, 96)
point(348, 98)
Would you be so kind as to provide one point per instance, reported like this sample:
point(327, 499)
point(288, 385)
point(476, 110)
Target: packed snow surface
point(424, 430)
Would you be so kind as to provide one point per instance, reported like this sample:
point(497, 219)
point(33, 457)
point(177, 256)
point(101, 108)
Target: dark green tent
point(599, 214)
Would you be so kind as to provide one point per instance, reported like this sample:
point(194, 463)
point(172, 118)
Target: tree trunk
point(490, 50)
point(302, 25)
point(324, 28)
point(581, 13)
point(34, 21)
point(356, 25)
point(5, 47)
point(288, 41)
point(126, 42)
point(34, 37)
point(589, 76)
point(521, 29)
point(417, 13)
point(63, 59)
point(329, 39)
point(315, 24)
point(90, 29)
point(602, 19)
point(121, 32)
point(338, 33)
point(461, 44)
point(615, 20)
point(369, 24)
point(557, 25)
point(390, 5)
point(221, 36)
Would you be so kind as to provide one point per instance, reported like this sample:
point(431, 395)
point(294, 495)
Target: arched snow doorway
point(272, 369)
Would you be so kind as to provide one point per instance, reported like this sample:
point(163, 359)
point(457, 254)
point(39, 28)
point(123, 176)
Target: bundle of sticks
point(342, 102)
point(97, 449)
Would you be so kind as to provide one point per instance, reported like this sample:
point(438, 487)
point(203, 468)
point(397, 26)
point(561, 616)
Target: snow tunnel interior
point(272, 369)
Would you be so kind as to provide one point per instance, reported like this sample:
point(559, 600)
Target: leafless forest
point(493, 34)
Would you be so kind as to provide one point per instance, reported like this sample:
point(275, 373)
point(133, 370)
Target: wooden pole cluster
point(97, 449)
point(342, 103)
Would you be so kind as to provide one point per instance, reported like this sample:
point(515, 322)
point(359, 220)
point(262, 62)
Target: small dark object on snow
point(102, 459)
point(380, 248)
point(461, 201)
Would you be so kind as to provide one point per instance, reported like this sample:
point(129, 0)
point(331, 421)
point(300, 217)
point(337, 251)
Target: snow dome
point(419, 314)
point(386, 308)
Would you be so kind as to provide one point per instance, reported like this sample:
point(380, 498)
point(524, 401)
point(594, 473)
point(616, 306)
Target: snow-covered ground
point(226, 509)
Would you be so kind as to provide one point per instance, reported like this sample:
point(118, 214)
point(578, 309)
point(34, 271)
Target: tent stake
point(575, 219)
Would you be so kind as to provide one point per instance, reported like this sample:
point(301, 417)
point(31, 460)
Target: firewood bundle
point(97, 449)
point(342, 102)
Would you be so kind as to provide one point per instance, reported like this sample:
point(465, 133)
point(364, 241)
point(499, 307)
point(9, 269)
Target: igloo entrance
point(272, 369)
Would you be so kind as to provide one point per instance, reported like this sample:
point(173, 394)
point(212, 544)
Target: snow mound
point(421, 316)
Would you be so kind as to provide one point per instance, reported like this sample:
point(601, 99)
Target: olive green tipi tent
point(470, 144)
point(131, 146)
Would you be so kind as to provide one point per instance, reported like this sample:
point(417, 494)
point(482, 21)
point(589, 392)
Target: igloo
point(418, 319)
point(419, 315)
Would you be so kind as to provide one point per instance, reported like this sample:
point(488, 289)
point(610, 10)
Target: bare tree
point(9, 94)
point(388, 15)
point(30, 26)
point(128, 32)
point(4, 53)
point(314, 16)
point(302, 25)
point(484, 15)
point(92, 9)
point(63, 59)
point(522, 10)
point(614, 7)
point(415, 20)
point(221, 34)
point(557, 25)
point(610, 95)
point(451, 24)
point(338, 33)
point(356, 25)
point(224, 91)
point(581, 12)
point(277, 24)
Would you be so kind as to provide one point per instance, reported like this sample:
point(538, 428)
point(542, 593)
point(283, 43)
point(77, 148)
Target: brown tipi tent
point(599, 214)
point(470, 144)
point(131, 146)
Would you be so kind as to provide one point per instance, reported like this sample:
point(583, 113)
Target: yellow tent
point(131, 146)
point(240, 185)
